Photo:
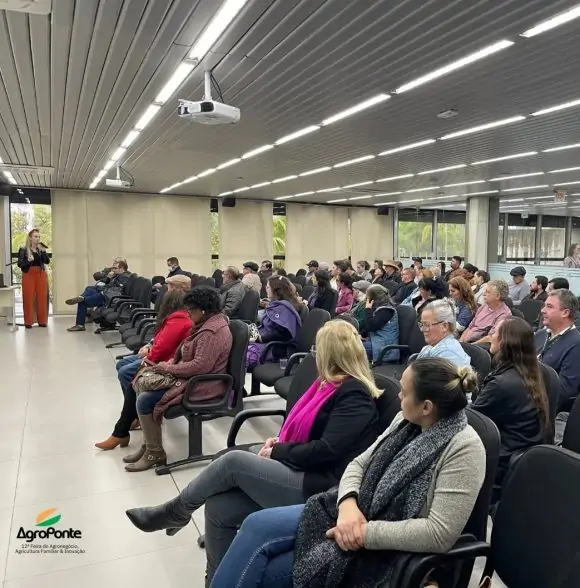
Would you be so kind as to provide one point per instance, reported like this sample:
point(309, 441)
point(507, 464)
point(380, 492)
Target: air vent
point(35, 170)
point(30, 6)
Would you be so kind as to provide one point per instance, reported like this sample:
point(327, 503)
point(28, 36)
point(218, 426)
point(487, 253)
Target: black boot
point(171, 516)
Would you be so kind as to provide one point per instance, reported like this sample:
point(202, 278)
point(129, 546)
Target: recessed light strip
point(505, 158)
point(553, 22)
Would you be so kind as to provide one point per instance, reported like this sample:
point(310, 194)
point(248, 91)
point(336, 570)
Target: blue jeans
point(262, 554)
point(146, 401)
point(368, 348)
point(127, 368)
point(91, 298)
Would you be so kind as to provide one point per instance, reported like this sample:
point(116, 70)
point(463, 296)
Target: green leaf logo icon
point(47, 518)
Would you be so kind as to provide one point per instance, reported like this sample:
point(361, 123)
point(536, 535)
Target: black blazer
point(325, 300)
point(506, 400)
point(40, 259)
point(347, 425)
point(404, 291)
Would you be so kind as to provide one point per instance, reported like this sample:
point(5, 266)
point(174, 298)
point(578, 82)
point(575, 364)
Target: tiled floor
point(59, 394)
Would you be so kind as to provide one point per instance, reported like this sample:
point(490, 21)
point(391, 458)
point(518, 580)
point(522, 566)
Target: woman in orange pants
point(32, 260)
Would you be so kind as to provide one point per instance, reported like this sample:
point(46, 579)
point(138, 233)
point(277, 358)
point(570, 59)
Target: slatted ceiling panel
point(40, 47)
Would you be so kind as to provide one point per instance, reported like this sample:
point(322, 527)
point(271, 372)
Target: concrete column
point(481, 231)
point(5, 239)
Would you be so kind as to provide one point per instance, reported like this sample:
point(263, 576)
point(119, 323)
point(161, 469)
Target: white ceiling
point(74, 83)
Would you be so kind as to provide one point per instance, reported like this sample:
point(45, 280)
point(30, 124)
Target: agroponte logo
point(45, 522)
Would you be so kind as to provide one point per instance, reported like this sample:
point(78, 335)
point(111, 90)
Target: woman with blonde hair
point(32, 260)
point(333, 422)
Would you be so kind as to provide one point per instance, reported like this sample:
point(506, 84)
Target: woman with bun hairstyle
point(413, 490)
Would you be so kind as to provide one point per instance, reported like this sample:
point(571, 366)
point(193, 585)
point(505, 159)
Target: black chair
point(269, 373)
point(535, 538)
point(552, 384)
point(349, 319)
point(218, 278)
point(98, 314)
point(301, 280)
point(480, 361)
point(248, 310)
point(531, 310)
point(388, 403)
point(303, 312)
point(334, 294)
point(476, 528)
point(516, 312)
point(391, 286)
point(131, 328)
point(307, 291)
point(571, 439)
point(229, 404)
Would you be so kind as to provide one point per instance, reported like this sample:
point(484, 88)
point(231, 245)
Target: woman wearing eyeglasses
point(438, 324)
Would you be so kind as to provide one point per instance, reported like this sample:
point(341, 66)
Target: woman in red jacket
point(173, 326)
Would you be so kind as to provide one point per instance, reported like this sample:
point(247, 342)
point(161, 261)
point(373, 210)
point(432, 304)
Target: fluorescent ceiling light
point(455, 65)
point(391, 179)
point(261, 185)
point(442, 169)
point(513, 200)
point(423, 189)
point(147, 116)
point(335, 189)
point(565, 183)
point(207, 172)
point(244, 189)
point(10, 178)
point(465, 183)
point(315, 171)
point(356, 108)
point(93, 184)
point(284, 179)
point(414, 200)
point(129, 139)
point(515, 177)
point(109, 164)
point(190, 179)
point(257, 151)
point(360, 198)
point(300, 133)
point(176, 185)
point(505, 158)
point(353, 161)
point(218, 24)
point(557, 107)
point(225, 194)
point(357, 185)
point(285, 197)
point(304, 193)
point(182, 71)
point(562, 148)
point(407, 147)
point(386, 194)
point(553, 22)
point(229, 163)
point(477, 129)
point(385, 204)
point(339, 200)
point(540, 197)
point(567, 169)
point(118, 154)
point(526, 188)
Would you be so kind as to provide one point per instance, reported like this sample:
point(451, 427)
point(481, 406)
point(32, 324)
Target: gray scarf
point(394, 487)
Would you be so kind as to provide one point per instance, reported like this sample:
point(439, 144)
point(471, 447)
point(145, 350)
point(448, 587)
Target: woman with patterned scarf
point(413, 490)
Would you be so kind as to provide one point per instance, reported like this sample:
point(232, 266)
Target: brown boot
point(113, 442)
point(135, 457)
point(154, 454)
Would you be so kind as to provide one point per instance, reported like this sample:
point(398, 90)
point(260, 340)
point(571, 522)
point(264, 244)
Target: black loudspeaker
point(383, 210)
point(229, 202)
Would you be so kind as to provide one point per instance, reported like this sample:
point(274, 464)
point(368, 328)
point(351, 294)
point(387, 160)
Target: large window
point(415, 233)
point(521, 239)
point(450, 233)
point(215, 234)
point(279, 233)
point(553, 240)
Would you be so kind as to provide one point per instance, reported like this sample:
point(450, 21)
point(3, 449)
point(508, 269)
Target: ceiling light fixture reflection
point(442, 169)
point(556, 108)
point(295, 135)
point(515, 177)
point(465, 183)
point(562, 148)
point(477, 129)
point(353, 161)
point(355, 109)
point(505, 158)
point(315, 171)
point(553, 22)
point(257, 151)
point(525, 188)
point(407, 147)
point(455, 65)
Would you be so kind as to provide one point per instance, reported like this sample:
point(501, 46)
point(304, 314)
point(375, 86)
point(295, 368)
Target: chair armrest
point(247, 414)
point(115, 300)
point(138, 313)
point(287, 345)
point(208, 406)
point(294, 360)
point(404, 349)
point(124, 304)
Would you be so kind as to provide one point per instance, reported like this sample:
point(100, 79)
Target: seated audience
point(301, 272)
point(414, 296)
point(265, 272)
point(441, 267)
point(360, 296)
point(107, 273)
point(251, 279)
point(281, 322)
point(205, 351)
point(407, 286)
point(469, 271)
point(519, 288)
point(363, 270)
point(351, 271)
point(376, 264)
point(558, 284)
point(479, 282)
point(232, 291)
point(412, 491)
point(488, 316)
point(429, 289)
point(392, 271)
point(95, 297)
point(172, 327)
point(513, 395)
point(345, 293)
point(334, 421)
point(323, 295)
point(558, 344)
point(338, 267)
point(379, 276)
point(418, 263)
point(573, 258)
point(456, 269)
point(280, 272)
point(460, 292)
point(312, 269)
point(381, 324)
point(538, 289)
point(438, 324)
point(174, 270)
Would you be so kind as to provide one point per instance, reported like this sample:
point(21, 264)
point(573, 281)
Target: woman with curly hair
point(205, 351)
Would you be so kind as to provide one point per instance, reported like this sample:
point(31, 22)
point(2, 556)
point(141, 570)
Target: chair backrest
point(303, 312)
point(300, 280)
point(159, 298)
point(248, 310)
point(571, 439)
point(334, 295)
point(531, 309)
point(388, 403)
point(409, 332)
point(208, 282)
point(263, 293)
point(307, 291)
point(157, 280)
point(535, 539)
point(130, 285)
point(346, 316)
point(298, 288)
point(391, 286)
point(142, 291)
point(188, 274)
point(291, 277)
point(480, 360)
point(552, 384)
point(302, 379)
point(509, 302)
point(237, 359)
point(218, 278)
point(316, 318)
point(516, 312)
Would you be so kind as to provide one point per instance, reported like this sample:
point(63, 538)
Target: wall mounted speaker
point(229, 202)
point(383, 210)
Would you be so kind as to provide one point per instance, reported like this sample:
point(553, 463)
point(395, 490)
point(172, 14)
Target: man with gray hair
point(558, 343)
point(488, 315)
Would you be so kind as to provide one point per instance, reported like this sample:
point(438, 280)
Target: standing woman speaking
point(32, 260)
